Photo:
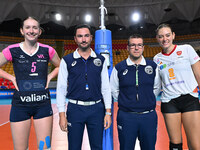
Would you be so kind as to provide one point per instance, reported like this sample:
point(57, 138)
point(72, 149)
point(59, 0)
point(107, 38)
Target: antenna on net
point(102, 8)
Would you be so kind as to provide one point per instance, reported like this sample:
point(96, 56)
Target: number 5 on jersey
point(33, 68)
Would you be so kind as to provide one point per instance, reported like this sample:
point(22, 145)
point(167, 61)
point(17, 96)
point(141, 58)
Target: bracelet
point(108, 113)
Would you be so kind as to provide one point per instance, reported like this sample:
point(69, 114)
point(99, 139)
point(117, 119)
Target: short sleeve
point(7, 54)
point(193, 56)
point(52, 51)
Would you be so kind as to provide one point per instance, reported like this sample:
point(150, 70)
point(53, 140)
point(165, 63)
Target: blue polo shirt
point(84, 80)
point(133, 85)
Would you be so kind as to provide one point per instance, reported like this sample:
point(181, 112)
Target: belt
point(84, 103)
point(144, 112)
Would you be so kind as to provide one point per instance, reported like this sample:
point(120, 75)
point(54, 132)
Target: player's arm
point(106, 92)
point(56, 62)
point(196, 70)
point(4, 74)
point(61, 94)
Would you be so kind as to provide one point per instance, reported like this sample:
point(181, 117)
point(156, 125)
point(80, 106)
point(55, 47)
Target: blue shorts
point(21, 113)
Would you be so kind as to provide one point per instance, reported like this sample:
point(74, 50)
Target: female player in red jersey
point(179, 70)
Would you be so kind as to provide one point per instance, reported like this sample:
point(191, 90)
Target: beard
point(84, 48)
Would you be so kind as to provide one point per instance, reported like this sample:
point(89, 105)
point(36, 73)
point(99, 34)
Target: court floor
point(59, 138)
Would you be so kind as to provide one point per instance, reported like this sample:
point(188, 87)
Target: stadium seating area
point(4, 83)
point(119, 50)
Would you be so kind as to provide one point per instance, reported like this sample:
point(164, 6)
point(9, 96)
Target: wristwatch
point(108, 113)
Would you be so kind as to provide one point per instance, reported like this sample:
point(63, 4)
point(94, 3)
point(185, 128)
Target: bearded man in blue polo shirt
point(132, 84)
point(83, 79)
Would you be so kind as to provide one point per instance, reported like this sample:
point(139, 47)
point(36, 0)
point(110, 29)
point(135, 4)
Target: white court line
point(4, 123)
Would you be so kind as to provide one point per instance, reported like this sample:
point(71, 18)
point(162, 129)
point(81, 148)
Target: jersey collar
point(130, 63)
point(170, 52)
point(77, 55)
point(21, 46)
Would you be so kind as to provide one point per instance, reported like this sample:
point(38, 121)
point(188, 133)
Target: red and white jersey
point(175, 72)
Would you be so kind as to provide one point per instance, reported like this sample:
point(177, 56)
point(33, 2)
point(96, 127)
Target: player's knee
point(173, 146)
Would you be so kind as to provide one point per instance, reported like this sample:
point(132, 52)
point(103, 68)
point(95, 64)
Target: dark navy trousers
point(93, 117)
point(142, 126)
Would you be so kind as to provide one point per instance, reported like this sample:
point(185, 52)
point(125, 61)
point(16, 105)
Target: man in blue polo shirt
point(83, 79)
point(132, 84)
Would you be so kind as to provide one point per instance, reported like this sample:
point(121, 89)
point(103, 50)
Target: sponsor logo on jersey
point(41, 60)
point(34, 98)
point(197, 57)
point(148, 69)
point(40, 56)
point(158, 61)
point(163, 66)
point(74, 63)
point(21, 56)
point(125, 72)
point(177, 82)
point(51, 112)
point(27, 85)
point(179, 53)
point(166, 65)
point(69, 124)
point(119, 127)
point(97, 62)
point(23, 61)
point(160, 64)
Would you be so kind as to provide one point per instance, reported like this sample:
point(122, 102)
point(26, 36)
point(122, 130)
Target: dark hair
point(163, 25)
point(29, 17)
point(137, 36)
point(82, 26)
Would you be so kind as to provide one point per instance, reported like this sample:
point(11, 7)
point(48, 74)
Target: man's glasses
point(133, 46)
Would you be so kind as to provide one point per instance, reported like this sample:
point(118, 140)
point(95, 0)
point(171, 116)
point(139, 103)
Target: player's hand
point(48, 81)
point(107, 121)
point(15, 83)
point(63, 121)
